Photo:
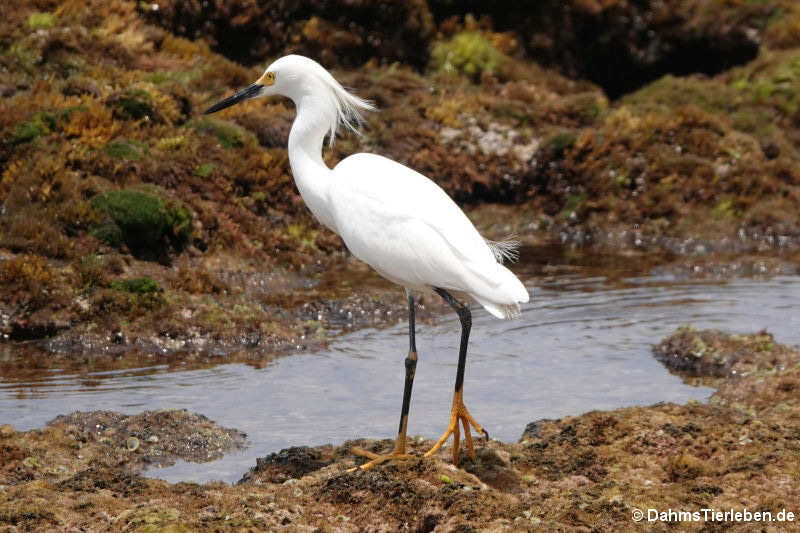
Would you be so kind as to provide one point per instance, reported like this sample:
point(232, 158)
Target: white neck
point(311, 174)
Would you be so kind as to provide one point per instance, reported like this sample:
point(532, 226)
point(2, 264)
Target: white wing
point(410, 231)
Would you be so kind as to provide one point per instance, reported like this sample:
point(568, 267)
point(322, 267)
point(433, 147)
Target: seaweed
point(28, 280)
point(144, 222)
point(134, 104)
point(469, 53)
point(123, 149)
point(38, 125)
point(227, 134)
point(41, 21)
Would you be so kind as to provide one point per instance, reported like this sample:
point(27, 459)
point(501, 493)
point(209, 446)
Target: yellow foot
point(377, 459)
point(458, 414)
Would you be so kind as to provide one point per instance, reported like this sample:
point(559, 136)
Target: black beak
point(250, 91)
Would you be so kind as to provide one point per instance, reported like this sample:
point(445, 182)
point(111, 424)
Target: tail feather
point(505, 302)
point(505, 250)
point(502, 311)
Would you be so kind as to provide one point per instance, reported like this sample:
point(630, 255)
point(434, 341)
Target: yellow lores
point(267, 79)
point(394, 219)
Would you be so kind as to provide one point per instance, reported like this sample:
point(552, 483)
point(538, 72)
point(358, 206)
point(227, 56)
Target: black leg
point(399, 452)
point(459, 411)
point(412, 335)
point(411, 366)
point(465, 316)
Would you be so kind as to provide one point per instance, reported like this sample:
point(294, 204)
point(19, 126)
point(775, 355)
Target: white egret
point(394, 219)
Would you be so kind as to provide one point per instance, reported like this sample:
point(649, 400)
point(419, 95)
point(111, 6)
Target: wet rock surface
point(290, 463)
point(585, 472)
point(712, 353)
point(89, 450)
point(155, 438)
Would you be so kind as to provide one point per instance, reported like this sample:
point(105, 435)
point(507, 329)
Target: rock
point(340, 33)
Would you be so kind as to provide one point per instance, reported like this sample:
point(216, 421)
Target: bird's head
point(304, 80)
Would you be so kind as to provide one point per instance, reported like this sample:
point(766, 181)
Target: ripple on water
point(583, 343)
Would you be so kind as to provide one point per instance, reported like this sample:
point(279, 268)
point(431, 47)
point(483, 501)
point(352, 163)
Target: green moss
point(573, 203)
point(65, 114)
point(776, 85)
point(38, 125)
point(306, 236)
point(26, 132)
point(40, 21)
point(41, 124)
point(133, 105)
point(205, 170)
point(180, 76)
point(137, 286)
point(561, 141)
point(126, 150)
point(140, 217)
point(726, 208)
point(139, 293)
point(108, 232)
point(27, 58)
point(754, 96)
point(229, 135)
point(468, 53)
point(671, 92)
point(143, 221)
point(179, 221)
point(171, 143)
point(591, 106)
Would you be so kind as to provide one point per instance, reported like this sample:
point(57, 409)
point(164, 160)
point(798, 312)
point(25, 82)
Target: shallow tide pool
point(583, 343)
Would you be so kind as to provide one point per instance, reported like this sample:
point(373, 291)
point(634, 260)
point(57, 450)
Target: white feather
point(389, 216)
point(505, 250)
point(340, 107)
point(410, 231)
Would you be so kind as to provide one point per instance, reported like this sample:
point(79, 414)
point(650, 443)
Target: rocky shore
point(589, 472)
point(131, 221)
point(133, 229)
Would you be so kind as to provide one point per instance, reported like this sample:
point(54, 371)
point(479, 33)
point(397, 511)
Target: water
point(583, 343)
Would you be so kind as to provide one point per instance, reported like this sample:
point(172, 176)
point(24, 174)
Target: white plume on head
point(342, 108)
point(348, 108)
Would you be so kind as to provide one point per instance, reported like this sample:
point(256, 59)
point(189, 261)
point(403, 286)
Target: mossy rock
point(137, 286)
point(132, 295)
point(469, 53)
point(41, 124)
point(179, 222)
point(560, 142)
point(41, 21)
point(229, 135)
point(144, 222)
point(135, 104)
point(38, 125)
point(204, 170)
point(126, 150)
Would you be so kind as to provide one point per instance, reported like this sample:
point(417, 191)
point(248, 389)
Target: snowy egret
point(391, 217)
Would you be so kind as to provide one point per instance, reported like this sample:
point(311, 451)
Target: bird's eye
point(267, 79)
